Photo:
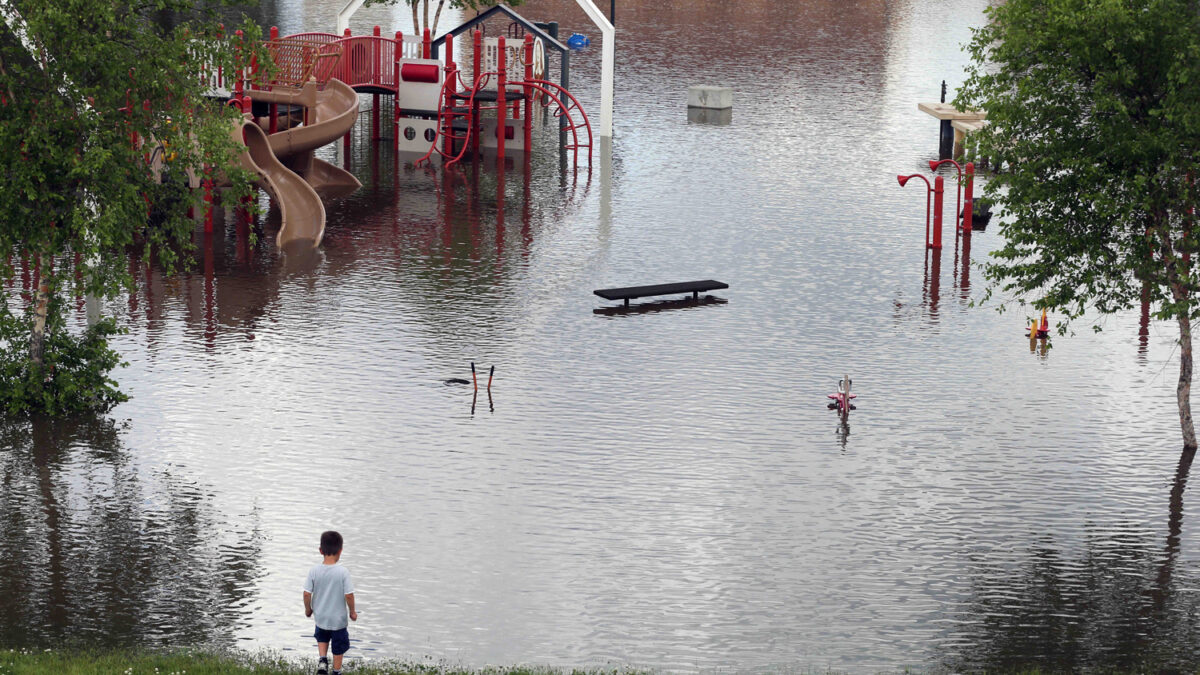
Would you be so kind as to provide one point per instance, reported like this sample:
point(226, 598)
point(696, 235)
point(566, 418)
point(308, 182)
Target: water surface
point(663, 489)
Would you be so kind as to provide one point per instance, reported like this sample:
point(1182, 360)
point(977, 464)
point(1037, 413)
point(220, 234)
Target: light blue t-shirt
point(329, 585)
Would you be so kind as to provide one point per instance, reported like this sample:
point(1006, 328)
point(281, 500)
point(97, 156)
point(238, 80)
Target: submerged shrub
point(74, 374)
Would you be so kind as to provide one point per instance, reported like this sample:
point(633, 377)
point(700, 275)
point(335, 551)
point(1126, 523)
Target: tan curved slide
point(302, 213)
point(285, 164)
point(332, 112)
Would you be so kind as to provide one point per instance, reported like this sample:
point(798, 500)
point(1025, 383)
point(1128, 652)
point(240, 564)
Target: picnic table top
point(946, 111)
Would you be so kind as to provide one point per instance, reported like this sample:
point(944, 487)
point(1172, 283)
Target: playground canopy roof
point(502, 9)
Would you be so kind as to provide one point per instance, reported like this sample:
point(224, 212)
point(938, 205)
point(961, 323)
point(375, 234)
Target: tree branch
point(8, 89)
point(437, 15)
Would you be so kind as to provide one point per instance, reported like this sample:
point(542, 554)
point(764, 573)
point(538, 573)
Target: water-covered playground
point(663, 489)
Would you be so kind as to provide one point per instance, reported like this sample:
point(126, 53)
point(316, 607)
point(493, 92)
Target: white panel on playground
point(413, 46)
point(415, 134)
point(515, 63)
point(488, 138)
point(412, 95)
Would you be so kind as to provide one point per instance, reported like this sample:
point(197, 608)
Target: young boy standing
point(328, 594)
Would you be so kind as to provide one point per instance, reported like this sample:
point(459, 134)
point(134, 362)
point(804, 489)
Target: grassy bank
point(191, 662)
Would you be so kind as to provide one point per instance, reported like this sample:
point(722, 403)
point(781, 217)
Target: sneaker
point(323, 666)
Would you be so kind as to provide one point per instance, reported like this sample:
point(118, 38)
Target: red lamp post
point(934, 165)
point(936, 190)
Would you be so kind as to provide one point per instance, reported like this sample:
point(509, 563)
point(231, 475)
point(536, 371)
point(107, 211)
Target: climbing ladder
point(449, 133)
point(449, 128)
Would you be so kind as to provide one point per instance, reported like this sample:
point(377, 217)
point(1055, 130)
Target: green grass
point(193, 662)
point(200, 662)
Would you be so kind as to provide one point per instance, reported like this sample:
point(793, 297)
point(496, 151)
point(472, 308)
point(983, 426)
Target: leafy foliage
point(1093, 106)
point(73, 376)
point(108, 127)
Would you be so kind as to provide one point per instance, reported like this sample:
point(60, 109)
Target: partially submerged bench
point(630, 292)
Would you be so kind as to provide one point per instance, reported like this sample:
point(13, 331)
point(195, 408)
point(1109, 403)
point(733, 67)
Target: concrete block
point(719, 118)
point(707, 96)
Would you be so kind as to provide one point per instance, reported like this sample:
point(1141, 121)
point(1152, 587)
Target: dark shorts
point(339, 639)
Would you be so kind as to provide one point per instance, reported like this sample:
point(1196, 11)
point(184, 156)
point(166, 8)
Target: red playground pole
point(501, 104)
point(239, 82)
point(939, 189)
point(397, 54)
point(475, 72)
point(933, 166)
point(475, 56)
point(528, 92)
point(220, 69)
point(376, 78)
point(273, 123)
point(426, 48)
point(208, 200)
point(346, 138)
point(448, 102)
point(968, 199)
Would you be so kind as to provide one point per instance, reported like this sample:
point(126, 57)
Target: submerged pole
point(968, 198)
point(938, 191)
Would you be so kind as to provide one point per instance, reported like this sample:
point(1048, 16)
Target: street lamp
point(966, 191)
point(936, 191)
point(934, 165)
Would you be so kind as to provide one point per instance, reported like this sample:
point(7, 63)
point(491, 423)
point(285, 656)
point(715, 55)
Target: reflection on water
point(1121, 602)
point(102, 550)
point(664, 489)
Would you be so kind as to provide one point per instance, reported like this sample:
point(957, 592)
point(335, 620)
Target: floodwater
point(663, 489)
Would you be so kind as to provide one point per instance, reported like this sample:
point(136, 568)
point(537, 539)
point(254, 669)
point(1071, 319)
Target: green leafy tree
point(105, 128)
point(1094, 106)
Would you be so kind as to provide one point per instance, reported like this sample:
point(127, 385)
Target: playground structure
point(842, 400)
point(439, 107)
point(282, 158)
point(607, 61)
point(1039, 330)
point(311, 99)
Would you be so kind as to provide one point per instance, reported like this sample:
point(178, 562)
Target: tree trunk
point(1177, 274)
point(416, 18)
point(1183, 392)
point(37, 338)
point(425, 5)
point(437, 15)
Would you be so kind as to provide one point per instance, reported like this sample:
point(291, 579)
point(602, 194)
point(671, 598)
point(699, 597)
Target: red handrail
point(446, 115)
point(542, 86)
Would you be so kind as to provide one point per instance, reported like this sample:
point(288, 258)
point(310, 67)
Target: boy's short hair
point(331, 543)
